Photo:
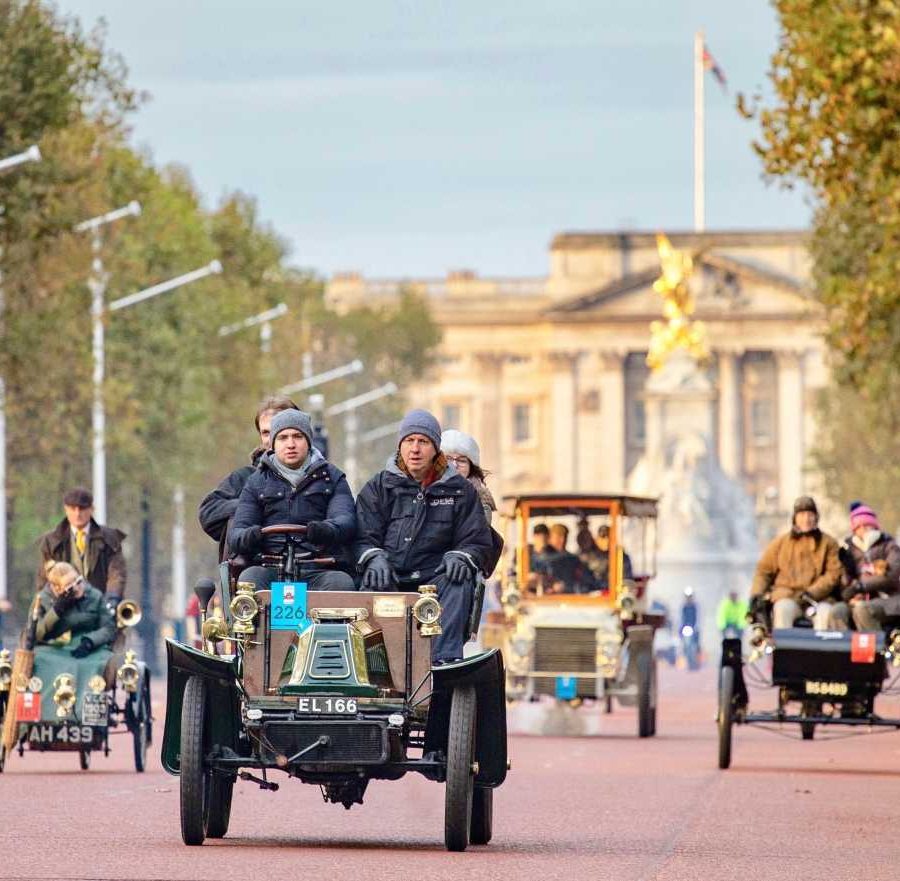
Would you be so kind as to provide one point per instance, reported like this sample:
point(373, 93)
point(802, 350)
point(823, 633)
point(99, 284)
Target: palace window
point(451, 416)
point(521, 423)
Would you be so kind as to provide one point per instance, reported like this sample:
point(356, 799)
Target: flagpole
point(699, 158)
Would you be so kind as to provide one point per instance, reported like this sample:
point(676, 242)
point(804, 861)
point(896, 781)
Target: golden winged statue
point(678, 331)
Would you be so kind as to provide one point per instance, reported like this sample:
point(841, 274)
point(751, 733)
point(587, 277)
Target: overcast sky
point(406, 139)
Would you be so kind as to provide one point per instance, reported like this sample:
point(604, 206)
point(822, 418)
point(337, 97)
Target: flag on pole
point(710, 64)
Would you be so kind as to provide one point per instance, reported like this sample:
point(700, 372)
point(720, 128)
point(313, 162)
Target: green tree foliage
point(180, 399)
point(833, 129)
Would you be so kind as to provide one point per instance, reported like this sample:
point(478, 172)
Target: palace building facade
point(548, 373)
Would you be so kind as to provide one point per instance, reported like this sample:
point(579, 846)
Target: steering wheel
point(284, 529)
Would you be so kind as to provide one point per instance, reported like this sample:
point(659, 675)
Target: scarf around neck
point(293, 475)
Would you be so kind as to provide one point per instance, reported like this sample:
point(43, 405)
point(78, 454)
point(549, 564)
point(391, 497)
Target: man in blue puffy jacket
point(421, 522)
point(295, 484)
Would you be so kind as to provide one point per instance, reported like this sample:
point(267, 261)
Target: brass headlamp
point(128, 613)
point(214, 627)
point(5, 670)
point(64, 694)
point(128, 674)
point(427, 611)
point(244, 608)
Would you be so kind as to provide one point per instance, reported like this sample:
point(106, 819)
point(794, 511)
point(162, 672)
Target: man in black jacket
point(295, 484)
point(421, 522)
point(94, 550)
point(217, 508)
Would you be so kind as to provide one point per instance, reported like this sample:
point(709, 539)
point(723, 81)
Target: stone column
point(612, 416)
point(791, 450)
point(564, 420)
point(730, 413)
point(487, 408)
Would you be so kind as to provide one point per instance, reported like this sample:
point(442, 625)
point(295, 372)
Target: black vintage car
point(823, 678)
point(330, 688)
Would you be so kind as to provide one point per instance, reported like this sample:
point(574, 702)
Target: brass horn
point(128, 614)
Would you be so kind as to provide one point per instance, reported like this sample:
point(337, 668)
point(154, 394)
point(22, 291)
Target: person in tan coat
point(802, 561)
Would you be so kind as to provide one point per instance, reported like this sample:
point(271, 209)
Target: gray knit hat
point(420, 422)
point(292, 419)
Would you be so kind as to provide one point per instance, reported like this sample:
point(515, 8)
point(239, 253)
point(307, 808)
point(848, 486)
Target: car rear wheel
point(482, 815)
point(808, 730)
point(84, 759)
point(194, 782)
point(646, 694)
point(726, 715)
point(460, 771)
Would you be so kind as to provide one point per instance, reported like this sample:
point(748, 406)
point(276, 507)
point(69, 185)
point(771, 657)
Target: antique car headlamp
point(244, 608)
point(128, 673)
point(64, 694)
point(893, 647)
point(757, 635)
point(626, 600)
point(521, 645)
point(427, 611)
point(35, 684)
point(97, 684)
point(5, 670)
point(511, 598)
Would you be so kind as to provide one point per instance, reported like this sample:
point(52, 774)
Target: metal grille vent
point(356, 742)
point(565, 650)
point(329, 660)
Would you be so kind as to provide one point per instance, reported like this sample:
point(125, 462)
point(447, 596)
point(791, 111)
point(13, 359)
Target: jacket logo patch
point(435, 502)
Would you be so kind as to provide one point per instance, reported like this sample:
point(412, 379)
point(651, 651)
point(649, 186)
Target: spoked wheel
point(194, 782)
point(482, 815)
point(726, 715)
point(84, 759)
point(460, 772)
point(218, 805)
point(141, 731)
point(646, 675)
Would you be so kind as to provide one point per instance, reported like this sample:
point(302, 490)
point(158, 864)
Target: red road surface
point(608, 807)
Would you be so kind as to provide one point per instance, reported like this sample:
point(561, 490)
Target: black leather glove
point(85, 647)
point(852, 590)
point(378, 575)
point(64, 602)
point(321, 533)
point(457, 568)
point(251, 538)
point(757, 606)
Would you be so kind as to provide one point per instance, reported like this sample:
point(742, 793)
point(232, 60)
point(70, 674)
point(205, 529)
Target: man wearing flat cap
point(799, 566)
point(421, 522)
point(295, 484)
point(94, 550)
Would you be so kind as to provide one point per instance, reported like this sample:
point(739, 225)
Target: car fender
point(485, 672)
point(224, 710)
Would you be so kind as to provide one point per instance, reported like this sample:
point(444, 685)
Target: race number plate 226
point(287, 606)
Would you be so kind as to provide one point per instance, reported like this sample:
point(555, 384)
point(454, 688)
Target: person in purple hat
point(871, 560)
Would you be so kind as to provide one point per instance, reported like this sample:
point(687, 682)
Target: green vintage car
point(53, 701)
point(334, 689)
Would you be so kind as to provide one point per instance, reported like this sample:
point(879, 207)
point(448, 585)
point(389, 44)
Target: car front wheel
point(194, 782)
point(460, 769)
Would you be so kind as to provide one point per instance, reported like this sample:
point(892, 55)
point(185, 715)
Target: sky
point(403, 139)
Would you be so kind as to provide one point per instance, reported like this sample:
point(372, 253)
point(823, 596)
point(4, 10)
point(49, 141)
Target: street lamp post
point(148, 625)
point(355, 366)
point(97, 286)
point(351, 427)
point(264, 320)
point(32, 154)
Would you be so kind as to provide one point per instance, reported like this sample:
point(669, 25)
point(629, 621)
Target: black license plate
point(48, 733)
point(326, 706)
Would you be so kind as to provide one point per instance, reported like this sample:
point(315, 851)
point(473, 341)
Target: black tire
point(646, 703)
point(141, 733)
point(218, 805)
point(726, 715)
point(84, 759)
point(482, 829)
point(808, 730)
point(460, 776)
point(2, 758)
point(194, 782)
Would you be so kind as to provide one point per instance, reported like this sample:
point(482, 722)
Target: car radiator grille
point(565, 650)
point(359, 743)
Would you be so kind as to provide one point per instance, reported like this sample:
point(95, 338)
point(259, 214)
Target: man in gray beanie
point(295, 484)
point(420, 522)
